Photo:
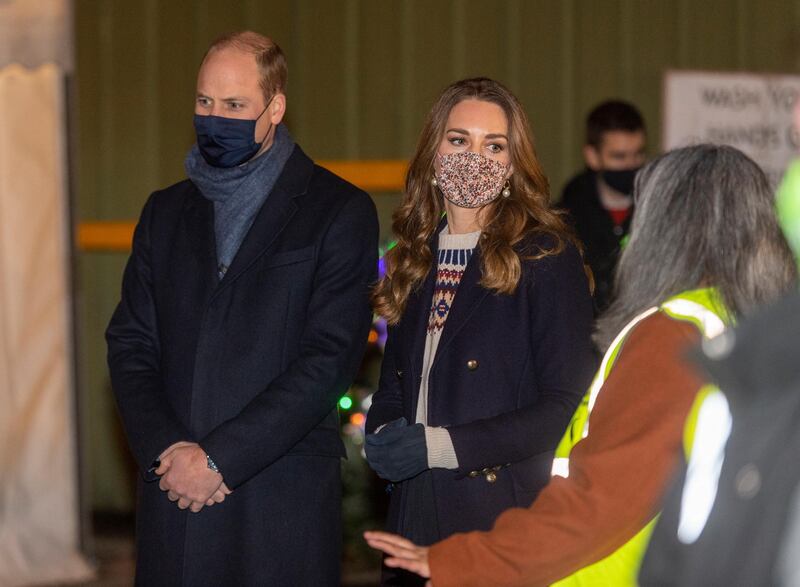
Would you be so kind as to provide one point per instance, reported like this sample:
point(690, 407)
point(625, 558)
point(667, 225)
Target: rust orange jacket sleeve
point(617, 474)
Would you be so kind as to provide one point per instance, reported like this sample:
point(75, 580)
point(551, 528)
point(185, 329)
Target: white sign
point(752, 112)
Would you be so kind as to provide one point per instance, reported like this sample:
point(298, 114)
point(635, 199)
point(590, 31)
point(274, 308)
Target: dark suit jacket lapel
point(468, 296)
point(418, 310)
point(199, 225)
point(273, 216)
point(417, 313)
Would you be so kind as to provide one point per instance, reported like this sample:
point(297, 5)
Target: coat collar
point(468, 296)
point(199, 224)
point(270, 220)
point(417, 313)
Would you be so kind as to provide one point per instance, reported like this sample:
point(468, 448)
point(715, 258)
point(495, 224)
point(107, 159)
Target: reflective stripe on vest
point(706, 436)
point(709, 323)
point(579, 422)
point(700, 307)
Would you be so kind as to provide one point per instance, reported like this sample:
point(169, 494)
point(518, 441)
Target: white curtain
point(33, 32)
point(38, 473)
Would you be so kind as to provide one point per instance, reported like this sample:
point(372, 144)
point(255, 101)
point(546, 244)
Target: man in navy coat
point(244, 316)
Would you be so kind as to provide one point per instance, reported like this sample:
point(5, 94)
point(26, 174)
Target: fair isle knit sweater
point(455, 251)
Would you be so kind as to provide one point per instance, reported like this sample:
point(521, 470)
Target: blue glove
point(398, 452)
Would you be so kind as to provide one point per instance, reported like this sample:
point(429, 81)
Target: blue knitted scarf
point(238, 192)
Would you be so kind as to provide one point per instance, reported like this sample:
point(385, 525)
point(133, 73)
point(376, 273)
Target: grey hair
point(704, 217)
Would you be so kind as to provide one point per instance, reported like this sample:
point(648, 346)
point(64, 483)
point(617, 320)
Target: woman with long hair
point(489, 313)
point(705, 249)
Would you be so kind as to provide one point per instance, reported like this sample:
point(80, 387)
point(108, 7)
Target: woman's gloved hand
point(397, 451)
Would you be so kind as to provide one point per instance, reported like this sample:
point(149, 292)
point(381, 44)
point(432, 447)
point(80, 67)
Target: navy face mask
point(227, 142)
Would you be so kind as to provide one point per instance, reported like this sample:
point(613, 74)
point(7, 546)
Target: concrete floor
point(114, 554)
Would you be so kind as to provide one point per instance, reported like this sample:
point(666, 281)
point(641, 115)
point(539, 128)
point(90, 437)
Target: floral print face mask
point(470, 180)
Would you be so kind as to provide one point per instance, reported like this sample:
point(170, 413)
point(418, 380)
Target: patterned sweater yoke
point(451, 264)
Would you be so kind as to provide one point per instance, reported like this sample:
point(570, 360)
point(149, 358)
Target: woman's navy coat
point(250, 367)
point(508, 374)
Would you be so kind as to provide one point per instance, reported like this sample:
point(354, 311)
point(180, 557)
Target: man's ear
point(277, 109)
point(592, 157)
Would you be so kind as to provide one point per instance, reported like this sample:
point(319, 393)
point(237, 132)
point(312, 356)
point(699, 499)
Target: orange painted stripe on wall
point(372, 176)
point(104, 236)
point(378, 175)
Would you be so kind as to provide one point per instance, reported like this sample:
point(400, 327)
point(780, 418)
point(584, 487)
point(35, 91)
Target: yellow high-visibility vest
point(701, 307)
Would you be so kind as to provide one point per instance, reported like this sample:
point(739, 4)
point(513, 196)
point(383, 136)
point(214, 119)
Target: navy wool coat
point(250, 367)
point(508, 374)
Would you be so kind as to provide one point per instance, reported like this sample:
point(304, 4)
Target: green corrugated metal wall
point(362, 75)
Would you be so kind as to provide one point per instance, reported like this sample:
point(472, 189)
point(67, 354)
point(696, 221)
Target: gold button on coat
point(472, 364)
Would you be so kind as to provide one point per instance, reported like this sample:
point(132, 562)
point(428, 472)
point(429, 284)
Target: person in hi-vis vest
point(732, 516)
point(705, 248)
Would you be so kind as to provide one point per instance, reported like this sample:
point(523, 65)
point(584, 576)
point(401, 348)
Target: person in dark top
point(243, 319)
point(599, 198)
point(489, 317)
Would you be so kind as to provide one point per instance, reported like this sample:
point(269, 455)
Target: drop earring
point(434, 181)
point(506, 190)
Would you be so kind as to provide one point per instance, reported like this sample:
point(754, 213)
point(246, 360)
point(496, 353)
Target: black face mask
point(620, 180)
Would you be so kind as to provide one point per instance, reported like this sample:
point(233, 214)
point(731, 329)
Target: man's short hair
point(610, 116)
point(269, 57)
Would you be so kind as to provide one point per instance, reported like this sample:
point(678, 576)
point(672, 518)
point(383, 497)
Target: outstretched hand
point(402, 553)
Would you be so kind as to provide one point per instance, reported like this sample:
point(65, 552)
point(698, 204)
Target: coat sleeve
point(616, 480)
point(331, 347)
point(562, 359)
point(387, 402)
point(150, 423)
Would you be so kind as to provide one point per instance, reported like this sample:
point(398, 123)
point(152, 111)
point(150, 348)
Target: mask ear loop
point(261, 142)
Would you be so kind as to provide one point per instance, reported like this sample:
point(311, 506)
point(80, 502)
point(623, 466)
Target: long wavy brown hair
point(505, 222)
